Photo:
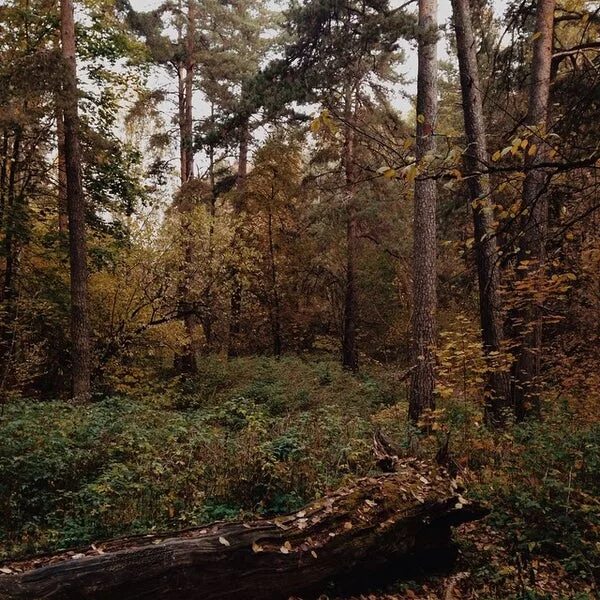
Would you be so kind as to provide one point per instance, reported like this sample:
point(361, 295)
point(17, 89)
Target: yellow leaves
point(421, 118)
point(444, 391)
point(285, 549)
point(433, 420)
point(519, 146)
point(536, 36)
point(387, 172)
point(324, 123)
point(516, 145)
point(410, 172)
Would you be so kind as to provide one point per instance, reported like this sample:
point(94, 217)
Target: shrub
point(547, 493)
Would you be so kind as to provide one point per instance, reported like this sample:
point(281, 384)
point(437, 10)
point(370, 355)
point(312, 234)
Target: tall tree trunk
point(486, 247)
point(63, 215)
point(3, 173)
point(207, 315)
point(349, 350)
point(275, 309)
point(10, 250)
point(235, 317)
point(80, 327)
point(528, 326)
point(181, 106)
point(190, 67)
point(187, 362)
point(424, 247)
point(8, 292)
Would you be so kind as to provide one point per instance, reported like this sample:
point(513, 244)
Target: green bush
point(546, 496)
point(70, 474)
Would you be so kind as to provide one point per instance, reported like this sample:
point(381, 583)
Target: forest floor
point(255, 437)
point(485, 570)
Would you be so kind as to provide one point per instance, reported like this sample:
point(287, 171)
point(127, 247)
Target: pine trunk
point(235, 318)
point(275, 309)
point(532, 243)
point(8, 291)
point(187, 362)
point(486, 247)
point(80, 327)
point(349, 349)
point(63, 215)
point(421, 395)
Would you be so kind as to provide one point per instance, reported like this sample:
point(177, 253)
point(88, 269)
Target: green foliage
point(545, 496)
point(70, 474)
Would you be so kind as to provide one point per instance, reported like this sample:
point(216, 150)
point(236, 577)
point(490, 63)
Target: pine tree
point(532, 254)
point(80, 327)
point(425, 227)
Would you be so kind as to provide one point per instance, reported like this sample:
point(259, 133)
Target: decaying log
point(374, 522)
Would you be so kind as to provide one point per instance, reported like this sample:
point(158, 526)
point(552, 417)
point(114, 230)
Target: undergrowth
point(264, 436)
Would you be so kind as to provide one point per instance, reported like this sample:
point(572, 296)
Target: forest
point(300, 299)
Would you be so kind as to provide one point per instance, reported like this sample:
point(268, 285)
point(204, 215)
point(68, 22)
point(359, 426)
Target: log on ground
point(372, 523)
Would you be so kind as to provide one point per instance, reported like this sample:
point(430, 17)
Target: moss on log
point(359, 528)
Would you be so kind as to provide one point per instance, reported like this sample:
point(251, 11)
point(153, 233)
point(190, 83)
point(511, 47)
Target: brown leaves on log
point(359, 526)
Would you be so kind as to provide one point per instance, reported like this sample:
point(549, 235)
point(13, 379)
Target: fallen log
point(360, 528)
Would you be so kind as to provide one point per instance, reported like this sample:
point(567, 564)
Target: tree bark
point(80, 327)
point(527, 319)
point(8, 291)
point(275, 309)
point(208, 316)
point(421, 393)
point(10, 247)
point(63, 214)
point(187, 362)
point(375, 524)
point(349, 349)
point(3, 173)
point(497, 392)
point(235, 316)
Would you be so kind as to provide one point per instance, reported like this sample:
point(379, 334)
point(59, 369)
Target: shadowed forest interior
point(253, 252)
